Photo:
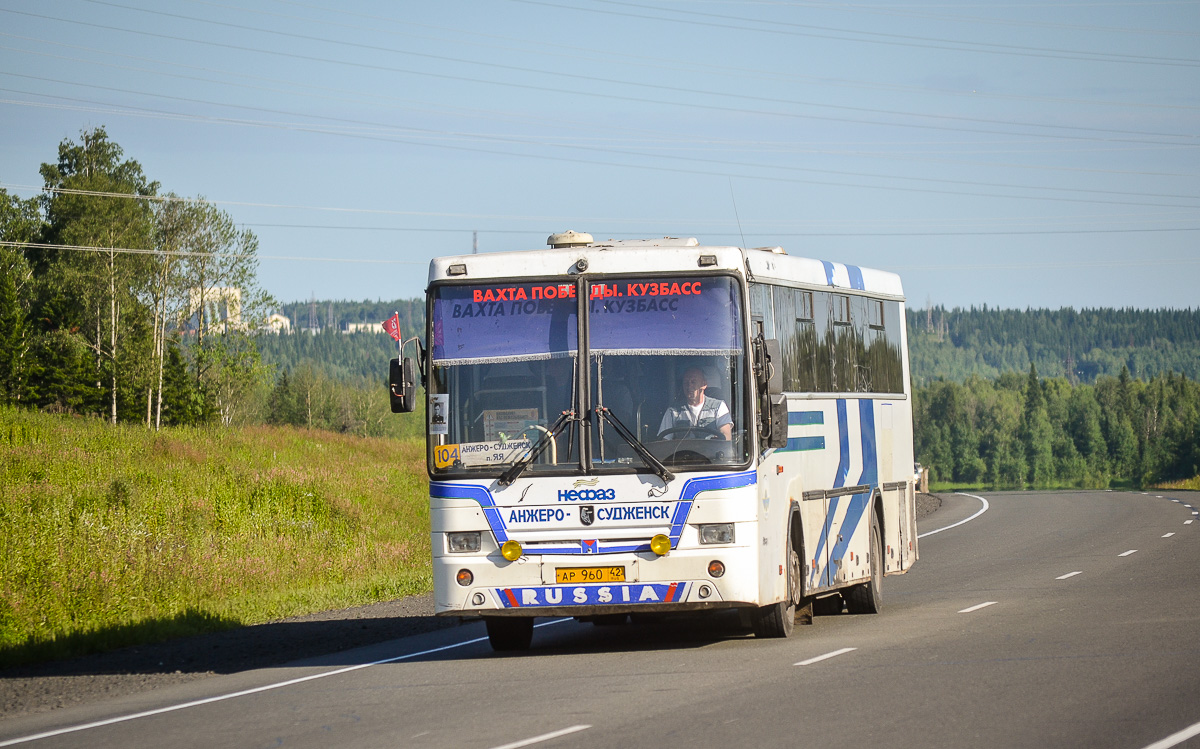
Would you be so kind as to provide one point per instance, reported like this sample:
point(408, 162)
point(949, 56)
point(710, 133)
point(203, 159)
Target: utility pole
point(474, 243)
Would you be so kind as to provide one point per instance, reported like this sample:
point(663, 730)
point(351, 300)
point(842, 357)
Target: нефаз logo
point(577, 495)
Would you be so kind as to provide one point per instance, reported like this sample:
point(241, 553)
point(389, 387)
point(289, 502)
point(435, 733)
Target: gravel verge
point(49, 686)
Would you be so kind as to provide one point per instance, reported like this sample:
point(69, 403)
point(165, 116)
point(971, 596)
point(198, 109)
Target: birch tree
point(226, 307)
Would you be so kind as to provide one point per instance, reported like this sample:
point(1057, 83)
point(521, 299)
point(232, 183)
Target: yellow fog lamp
point(660, 545)
point(511, 550)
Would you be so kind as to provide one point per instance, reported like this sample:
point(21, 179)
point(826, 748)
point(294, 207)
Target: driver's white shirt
point(669, 420)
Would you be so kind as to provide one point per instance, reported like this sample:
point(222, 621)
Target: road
point(1067, 619)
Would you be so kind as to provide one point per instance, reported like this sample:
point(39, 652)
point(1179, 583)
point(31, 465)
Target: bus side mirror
point(402, 385)
point(768, 369)
point(768, 365)
point(779, 421)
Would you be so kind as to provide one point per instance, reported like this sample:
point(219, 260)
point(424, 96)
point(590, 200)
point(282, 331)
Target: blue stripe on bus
point(869, 477)
point(709, 483)
point(856, 279)
point(828, 271)
point(801, 444)
point(839, 480)
point(806, 417)
point(479, 494)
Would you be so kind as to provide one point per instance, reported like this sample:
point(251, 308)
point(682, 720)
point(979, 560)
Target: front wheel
point(508, 633)
point(867, 598)
point(779, 619)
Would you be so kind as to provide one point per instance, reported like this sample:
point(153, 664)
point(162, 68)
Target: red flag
point(391, 326)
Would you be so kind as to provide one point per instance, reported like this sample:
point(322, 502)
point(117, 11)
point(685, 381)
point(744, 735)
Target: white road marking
point(1188, 522)
point(543, 737)
point(955, 525)
point(1069, 574)
point(1127, 553)
point(819, 658)
point(1175, 500)
point(978, 606)
point(245, 692)
point(1168, 535)
point(1177, 738)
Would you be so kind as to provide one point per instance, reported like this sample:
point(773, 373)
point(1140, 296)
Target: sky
point(1032, 153)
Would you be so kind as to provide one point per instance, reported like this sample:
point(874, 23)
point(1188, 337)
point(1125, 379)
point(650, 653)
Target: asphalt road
point(1050, 620)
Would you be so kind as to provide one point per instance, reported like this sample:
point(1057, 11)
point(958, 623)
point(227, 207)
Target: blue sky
point(1014, 154)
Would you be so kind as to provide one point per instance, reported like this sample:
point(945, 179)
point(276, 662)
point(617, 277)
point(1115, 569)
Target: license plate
point(589, 574)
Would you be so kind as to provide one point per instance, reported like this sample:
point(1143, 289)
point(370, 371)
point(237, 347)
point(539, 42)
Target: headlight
point(462, 543)
point(716, 533)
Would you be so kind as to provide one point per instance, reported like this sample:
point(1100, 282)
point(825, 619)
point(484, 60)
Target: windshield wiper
point(643, 452)
point(517, 468)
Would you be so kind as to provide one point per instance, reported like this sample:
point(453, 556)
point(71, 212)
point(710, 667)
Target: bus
point(645, 427)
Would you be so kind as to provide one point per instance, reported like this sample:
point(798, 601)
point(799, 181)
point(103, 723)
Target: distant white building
point(277, 323)
point(363, 327)
point(222, 306)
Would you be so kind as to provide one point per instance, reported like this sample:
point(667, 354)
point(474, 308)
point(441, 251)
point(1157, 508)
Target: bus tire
point(779, 619)
point(508, 633)
point(867, 598)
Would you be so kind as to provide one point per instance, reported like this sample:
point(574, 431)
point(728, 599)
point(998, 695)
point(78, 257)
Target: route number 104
point(444, 456)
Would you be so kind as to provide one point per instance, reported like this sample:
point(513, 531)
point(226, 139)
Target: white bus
point(656, 426)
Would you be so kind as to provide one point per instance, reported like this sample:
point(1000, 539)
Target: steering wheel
point(708, 432)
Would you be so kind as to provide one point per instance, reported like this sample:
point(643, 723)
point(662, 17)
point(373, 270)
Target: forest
point(1080, 345)
point(1027, 431)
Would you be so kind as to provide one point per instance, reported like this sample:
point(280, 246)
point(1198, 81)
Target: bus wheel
point(507, 633)
point(868, 598)
point(779, 619)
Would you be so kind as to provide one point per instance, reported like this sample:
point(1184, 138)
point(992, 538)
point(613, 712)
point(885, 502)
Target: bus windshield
point(665, 358)
point(502, 373)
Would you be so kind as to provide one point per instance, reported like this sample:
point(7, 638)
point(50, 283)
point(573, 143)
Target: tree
point(20, 222)
point(1037, 435)
point(92, 201)
point(225, 306)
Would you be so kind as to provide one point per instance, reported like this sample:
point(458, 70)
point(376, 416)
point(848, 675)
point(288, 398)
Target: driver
point(697, 410)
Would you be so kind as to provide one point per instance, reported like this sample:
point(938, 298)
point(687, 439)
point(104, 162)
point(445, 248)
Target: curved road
point(1067, 619)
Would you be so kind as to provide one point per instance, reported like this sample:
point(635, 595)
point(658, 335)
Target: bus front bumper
point(678, 581)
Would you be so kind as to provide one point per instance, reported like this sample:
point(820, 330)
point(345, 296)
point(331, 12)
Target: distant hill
point(1079, 345)
point(342, 356)
point(950, 344)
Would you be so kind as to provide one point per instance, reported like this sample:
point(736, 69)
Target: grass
point(1192, 484)
point(951, 486)
point(111, 536)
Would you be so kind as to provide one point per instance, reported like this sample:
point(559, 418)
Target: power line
point(594, 79)
point(872, 37)
point(942, 267)
point(188, 253)
point(769, 178)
